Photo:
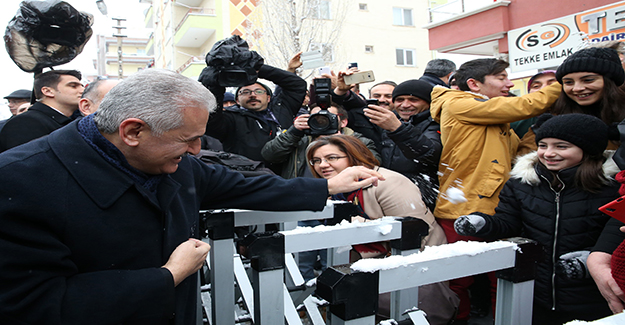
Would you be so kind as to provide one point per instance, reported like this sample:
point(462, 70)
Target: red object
point(617, 264)
point(615, 209)
point(620, 177)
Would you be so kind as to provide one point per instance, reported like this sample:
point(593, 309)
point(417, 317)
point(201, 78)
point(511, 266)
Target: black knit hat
point(415, 88)
point(604, 61)
point(583, 130)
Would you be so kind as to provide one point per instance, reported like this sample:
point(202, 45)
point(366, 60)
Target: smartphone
point(352, 65)
point(312, 60)
point(373, 101)
point(324, 70)
point(615, 209)
point(360, 77)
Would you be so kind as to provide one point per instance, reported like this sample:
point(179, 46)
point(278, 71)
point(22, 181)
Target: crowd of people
point(102, 189)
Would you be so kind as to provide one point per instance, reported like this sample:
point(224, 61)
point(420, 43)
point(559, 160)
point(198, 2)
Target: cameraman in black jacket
point(258, 116)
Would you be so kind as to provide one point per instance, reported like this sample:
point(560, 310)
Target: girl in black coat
point(553, 197)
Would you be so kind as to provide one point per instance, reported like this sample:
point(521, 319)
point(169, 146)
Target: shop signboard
point(547, 44)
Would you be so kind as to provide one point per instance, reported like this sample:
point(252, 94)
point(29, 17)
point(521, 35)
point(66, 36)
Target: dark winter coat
point(563, 220)
point(414, 150)
point(433, 80)
point(82, 243)
point(37, 121)
point(244, 132)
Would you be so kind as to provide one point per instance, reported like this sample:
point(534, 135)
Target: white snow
point(388, 322)
point(455, 195)
point(384, 226)
point(429, 253)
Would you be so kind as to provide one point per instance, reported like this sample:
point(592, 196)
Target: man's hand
point(469, 225)
point(339, 85)
point(599, 267)
point(301, 122)
point(382, 117)
point(187, 259)
point(295, 62)
point(353, 178)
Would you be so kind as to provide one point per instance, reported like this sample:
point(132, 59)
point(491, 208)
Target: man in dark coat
point(438, 71)
point(258, 116)
point(411, 141)
point(100, 218)
point(58, 93)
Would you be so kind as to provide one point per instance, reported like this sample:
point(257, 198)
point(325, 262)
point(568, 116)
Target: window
point(402, 17)
point(326, 50)
point(405, 57)
point(362, 6)
point(368, 48)
point(322, 11)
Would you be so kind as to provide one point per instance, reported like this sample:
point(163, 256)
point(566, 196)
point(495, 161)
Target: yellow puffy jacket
point(478, 144)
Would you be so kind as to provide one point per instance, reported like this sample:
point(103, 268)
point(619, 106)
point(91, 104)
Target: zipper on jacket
point(555, 239)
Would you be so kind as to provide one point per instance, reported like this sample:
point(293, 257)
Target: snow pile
point(471, 248)
point(388, 322)
point(384, 227)
point(455, 195)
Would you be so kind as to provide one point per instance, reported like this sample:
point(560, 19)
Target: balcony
point(190, 3)
point(196, 27)
point(193, 67)
point(149, 47)
point(458, 9)
point(149, 18)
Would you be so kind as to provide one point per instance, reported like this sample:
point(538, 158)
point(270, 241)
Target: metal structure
point(120, 61)
point(353, 295)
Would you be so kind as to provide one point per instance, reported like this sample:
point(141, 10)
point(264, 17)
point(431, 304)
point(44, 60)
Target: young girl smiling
point(553, 197)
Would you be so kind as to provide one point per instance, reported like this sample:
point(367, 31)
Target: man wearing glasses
point(259, 114)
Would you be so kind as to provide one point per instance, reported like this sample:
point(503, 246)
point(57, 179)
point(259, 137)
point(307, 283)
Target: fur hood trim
point(524, 168)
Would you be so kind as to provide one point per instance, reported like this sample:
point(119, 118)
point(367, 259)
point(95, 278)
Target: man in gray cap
point(16, 99)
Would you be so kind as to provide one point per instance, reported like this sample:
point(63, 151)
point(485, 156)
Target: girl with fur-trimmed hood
point(553, 197)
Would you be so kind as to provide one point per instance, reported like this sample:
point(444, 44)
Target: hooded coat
point(561, 218)
point(478, 144)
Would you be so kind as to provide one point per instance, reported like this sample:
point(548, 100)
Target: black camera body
point(324, 122)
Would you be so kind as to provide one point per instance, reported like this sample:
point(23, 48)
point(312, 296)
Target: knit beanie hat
point(529, 83)
point(604, 61)
point(617, 265)
point(585, 131)
point(414, 87)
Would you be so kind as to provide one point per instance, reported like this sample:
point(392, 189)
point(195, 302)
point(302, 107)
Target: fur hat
point(603, 61)
point(583, 130)
point(415, 88)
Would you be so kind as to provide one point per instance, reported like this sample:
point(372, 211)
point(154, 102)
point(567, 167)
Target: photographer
point(290, 147)
point(258, 116)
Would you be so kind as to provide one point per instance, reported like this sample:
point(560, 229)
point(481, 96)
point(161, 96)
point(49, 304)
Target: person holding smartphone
point(411, 143)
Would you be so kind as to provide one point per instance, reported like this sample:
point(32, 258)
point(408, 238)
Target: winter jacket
point(244, 132)
point(414, 150)
point(561, 218)
point(290, 147)
point(38, 121)
point(433, 80)
point(478, 144)
point(82, 243)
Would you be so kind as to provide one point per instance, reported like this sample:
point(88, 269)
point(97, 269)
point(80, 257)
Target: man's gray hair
point(92, 91)
point(440, 67)
point(157, 97)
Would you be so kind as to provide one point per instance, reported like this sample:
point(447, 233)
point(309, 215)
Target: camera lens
point(319, 122)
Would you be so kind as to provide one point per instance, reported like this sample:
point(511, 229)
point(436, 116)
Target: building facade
point(134, 56)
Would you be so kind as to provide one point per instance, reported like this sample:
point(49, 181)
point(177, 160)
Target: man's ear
point(474, 85)
point(47, 91)
point(84, 105)
point(343, 123)
point(132, 130)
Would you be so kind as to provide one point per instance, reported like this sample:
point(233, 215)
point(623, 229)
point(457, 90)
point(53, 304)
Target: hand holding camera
point(301, 122)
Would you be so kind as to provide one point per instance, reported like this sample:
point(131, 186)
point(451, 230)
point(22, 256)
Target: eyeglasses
point(329, 160)
point(247, 92)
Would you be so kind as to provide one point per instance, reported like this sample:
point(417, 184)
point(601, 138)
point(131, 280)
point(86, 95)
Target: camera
point(323, 122)
point(373, 101)
point(234, 76)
